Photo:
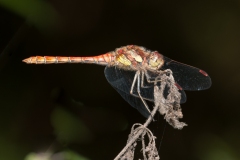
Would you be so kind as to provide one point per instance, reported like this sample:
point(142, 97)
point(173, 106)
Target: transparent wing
point(134, 102)
point(188, 77)
point(122, 80)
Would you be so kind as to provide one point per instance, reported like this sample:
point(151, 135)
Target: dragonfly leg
point(156, 79)
point(137, 78)
point(134, 82)
point(142, 80)
point(139, 93)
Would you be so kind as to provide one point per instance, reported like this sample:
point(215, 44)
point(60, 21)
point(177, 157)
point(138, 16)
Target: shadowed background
point(69, 111)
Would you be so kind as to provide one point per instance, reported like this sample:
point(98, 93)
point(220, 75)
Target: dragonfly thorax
point(134, 57)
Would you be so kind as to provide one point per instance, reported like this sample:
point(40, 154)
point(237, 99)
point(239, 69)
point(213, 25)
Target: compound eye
point(155, 60)
point(153, 63)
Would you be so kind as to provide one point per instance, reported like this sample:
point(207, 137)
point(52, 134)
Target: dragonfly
point(131, 71)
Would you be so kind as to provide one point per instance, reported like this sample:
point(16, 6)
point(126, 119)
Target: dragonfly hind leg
point(137, 79)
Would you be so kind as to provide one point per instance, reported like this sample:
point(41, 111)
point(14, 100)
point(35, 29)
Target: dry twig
point(169, 107)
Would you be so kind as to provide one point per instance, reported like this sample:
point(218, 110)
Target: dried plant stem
point(136, 136)
point(169, 106)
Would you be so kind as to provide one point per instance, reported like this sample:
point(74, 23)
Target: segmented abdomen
point(103, 59)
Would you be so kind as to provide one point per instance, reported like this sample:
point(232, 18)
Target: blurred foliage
point(35, 116)
point(212, 147)
point(68, 128)
point(36, 12)
point(40, 156)
point(65, 155)
point(9, 149)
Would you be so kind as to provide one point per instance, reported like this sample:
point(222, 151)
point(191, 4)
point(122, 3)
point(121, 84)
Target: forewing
point(188, 77)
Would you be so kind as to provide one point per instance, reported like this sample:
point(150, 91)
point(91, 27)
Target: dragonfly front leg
point(137, 78)
point(158, 78)
point(148, 78)
point(142, 80)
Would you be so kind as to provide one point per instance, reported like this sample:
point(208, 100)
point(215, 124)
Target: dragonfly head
point(155, 60)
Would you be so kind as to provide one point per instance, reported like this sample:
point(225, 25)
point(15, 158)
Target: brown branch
point(169, 107)
point(140, 131)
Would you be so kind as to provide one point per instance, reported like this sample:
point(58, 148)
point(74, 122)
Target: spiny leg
point(133, 83)
point(157, 78)
point(142, 80)
point(139, 93)
point(148, 78)
point(137, 77)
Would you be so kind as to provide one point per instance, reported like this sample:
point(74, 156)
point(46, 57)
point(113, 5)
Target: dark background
point(69, 111)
